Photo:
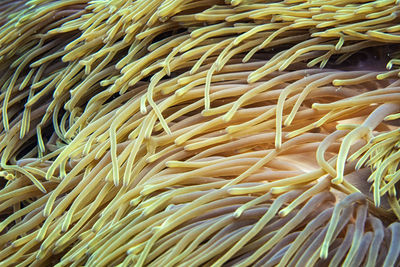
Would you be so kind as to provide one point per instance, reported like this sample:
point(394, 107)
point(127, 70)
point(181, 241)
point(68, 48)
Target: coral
point(191, 133)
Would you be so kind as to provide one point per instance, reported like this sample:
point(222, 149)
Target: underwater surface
point(199, 133)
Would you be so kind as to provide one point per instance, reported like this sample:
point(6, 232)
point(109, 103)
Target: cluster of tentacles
point(199, 133)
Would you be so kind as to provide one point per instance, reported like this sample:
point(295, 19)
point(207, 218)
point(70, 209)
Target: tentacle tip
point(46, 213)
point(231, 191)
point(278, 146)
point(179, 92)
point(338, 180)
point(150, 159)
point(40, 237)
point(43, 190)
point(230, 129)
point(238, 213)
point(147, 189)
point(64, 228)
point(324, 254)
point(251, 78)
point(179, 141)
point(283, 213)
point(226, 118)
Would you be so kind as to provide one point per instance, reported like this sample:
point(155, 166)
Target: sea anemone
point(191, 133)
